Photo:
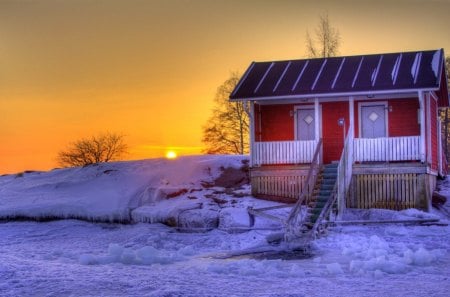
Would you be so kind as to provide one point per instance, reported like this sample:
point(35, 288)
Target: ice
point(334, 268)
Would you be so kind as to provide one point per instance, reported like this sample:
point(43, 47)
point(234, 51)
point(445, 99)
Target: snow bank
point(115, 191)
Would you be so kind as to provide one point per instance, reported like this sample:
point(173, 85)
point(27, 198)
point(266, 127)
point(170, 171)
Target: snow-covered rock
point(234, 219)
point(133, 191)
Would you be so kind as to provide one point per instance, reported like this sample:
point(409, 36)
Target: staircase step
point(324, 193)
point(327, 187)
point(328, 182)
point(313, 218)
point(320, 204)
point(315, 211)
point(330, 175)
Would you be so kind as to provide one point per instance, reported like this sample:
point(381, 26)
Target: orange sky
point(149, 68)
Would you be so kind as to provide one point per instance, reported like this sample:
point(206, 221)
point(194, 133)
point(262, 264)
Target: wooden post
point(252, 131)
point(316, 123)
point(351, 111)
point(422, 126)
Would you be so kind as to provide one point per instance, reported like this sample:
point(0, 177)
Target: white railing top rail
point(345, 170)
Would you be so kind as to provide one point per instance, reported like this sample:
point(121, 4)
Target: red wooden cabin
point(374, 115)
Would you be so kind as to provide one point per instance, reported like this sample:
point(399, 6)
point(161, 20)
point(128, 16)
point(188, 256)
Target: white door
point(373, 121)
point(305, 124)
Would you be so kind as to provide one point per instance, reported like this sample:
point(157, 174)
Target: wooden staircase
point(305, 219)
point(323, 191)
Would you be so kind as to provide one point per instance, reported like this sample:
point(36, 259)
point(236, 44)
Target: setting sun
point(171, 155)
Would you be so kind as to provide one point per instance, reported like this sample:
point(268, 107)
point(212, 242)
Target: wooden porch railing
point(283, 152)
point(345, 170)
point(386, 149)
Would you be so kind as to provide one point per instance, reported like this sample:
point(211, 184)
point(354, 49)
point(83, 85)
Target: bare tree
point(226, 131)
point(326, 40)
point(101, 148)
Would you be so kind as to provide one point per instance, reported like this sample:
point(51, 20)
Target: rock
point(198, 220)
point(438, 200)
point(232, 177)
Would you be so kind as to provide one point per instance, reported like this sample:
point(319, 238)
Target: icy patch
point(146, 255)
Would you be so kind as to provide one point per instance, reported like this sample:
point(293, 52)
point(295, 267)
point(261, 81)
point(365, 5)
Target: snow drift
point(194, 193)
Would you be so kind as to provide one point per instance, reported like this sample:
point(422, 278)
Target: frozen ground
point(77, 258)
point(74, 258)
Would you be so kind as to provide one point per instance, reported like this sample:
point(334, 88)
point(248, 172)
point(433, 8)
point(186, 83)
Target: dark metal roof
point(339, 75)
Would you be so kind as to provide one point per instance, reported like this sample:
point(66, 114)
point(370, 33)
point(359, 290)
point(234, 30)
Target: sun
point(171, 154)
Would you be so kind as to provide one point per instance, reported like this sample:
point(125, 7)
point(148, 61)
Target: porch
point(383, 149)
point(372, 173)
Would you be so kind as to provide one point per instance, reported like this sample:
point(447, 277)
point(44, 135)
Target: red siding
point(276, 122)
point(333, 135)
point(403, 117)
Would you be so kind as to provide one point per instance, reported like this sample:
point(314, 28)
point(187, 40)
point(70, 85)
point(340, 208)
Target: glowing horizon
point(150, 69)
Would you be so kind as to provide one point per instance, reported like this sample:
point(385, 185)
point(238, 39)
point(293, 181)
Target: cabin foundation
point(278, 183)
point(395, 186)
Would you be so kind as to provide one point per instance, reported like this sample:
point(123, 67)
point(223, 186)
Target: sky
point(149, 69)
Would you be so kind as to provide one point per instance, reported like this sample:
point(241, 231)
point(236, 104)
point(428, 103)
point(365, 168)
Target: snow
point(415, 66)
point(147, 258)
point(138, 191)
point(395, 69)
point(435, 62)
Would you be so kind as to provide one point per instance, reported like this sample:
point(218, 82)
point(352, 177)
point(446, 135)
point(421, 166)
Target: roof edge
point(324, 95)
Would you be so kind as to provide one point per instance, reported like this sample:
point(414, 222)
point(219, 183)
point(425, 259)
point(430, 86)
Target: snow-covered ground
point(80, 258)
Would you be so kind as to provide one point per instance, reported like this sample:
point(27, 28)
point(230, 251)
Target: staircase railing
point(345, 170)
point(296, 217)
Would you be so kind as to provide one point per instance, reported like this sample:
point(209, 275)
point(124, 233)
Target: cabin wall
point(332, 133)
point(403, 117)
point(274, 122)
